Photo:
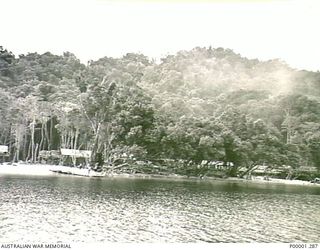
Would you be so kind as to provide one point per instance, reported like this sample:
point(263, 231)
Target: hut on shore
point(4, 152)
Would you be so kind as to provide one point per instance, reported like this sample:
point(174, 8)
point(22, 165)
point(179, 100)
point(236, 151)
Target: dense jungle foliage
point(203, 104)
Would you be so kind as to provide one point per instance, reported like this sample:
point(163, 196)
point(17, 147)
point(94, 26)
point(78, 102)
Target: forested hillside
point(203, 104)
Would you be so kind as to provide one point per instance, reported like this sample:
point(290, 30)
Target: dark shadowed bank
point(204, 113)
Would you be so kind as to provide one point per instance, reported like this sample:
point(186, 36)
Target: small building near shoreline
point(76, 156)
point(4, 150)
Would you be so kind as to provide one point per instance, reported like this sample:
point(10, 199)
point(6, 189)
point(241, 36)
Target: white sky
point(91, 29)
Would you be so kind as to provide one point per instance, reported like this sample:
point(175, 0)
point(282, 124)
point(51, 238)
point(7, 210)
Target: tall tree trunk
point(50, 134)
point(18, 142)
point(10, 142)
point(29, 151)
point(46, 136)
point(33, 124)
point(24, 150)
point(95, 146)
point(41, 141)
point(63, 140)
point(35, 154)
point(76, 139)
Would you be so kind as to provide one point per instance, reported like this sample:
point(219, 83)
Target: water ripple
point(60, 209)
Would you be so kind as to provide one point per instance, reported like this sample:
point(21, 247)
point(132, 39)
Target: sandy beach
point(277, 181)
point(25, 169)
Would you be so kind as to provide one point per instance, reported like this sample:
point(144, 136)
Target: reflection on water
point(75, 209)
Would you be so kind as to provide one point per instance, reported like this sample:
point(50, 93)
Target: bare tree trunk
point(35, 152)
point(32, 139)
point(76, 136)
point(18, 142)
point(41, 140)
point(29, 151)
point(64, 140)
point(67, 140)
point(46, 136)
point(95, 143)
point(25, 140)
point(50, 135)
point(73, 146)
point(10, 140)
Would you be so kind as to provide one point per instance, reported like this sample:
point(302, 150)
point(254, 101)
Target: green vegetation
point(200, 105)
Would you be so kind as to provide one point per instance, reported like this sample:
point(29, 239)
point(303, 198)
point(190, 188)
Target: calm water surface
point(76, 209)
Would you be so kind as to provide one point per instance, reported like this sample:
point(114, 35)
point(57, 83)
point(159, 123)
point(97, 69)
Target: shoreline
point(25, 169)
point(44, 170)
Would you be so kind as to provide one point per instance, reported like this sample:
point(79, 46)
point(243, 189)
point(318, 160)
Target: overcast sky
point(287, 29)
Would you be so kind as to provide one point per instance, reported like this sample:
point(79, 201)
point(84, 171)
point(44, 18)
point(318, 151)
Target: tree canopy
point(203, 104)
